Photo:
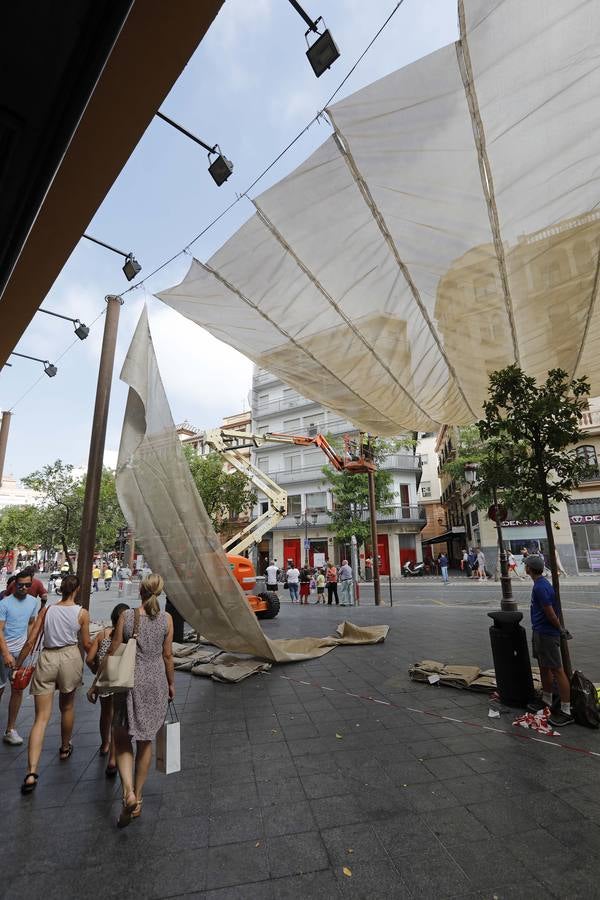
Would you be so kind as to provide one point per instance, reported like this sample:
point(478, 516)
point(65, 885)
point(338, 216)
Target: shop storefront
point(584, 516)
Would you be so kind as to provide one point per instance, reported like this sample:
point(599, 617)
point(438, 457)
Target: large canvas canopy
point(448, 227)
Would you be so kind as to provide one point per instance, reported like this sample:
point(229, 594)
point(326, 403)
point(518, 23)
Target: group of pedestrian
point(106, 573)
point(55, 632)
point(302, 583)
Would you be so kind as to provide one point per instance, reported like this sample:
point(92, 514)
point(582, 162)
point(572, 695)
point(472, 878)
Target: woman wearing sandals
point(140, 713)
point(59, 667)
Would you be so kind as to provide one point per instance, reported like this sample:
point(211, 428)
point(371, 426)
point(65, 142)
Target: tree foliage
point(350, 514)
point(57, 518)
point(19, 526)
point(534, 429)
point(225, 495)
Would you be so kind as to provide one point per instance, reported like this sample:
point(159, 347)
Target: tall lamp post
point(304, 517)
point(507, 637)
point(497, 513)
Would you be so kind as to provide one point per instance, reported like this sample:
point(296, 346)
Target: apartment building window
point(317, 502)
point(292, 462)
point(291, 426)
point(425, 489)
point(264, 506)
point(263, 399)
point(587, 454)
point(289, 397)
point(263, 464)
point(313, 424)
point(424, 458)
point(294, 505)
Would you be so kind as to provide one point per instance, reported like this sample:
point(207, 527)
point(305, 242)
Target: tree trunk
point(564, 647)
point(65, 550)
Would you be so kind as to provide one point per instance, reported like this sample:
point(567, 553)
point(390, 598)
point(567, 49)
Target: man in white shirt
point(271, 573)
point(293, 579)
point(345, 580)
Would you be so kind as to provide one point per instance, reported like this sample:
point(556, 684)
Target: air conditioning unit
point(312, 431)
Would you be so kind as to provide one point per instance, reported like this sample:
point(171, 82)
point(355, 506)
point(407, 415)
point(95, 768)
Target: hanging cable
point(185, 250)
point(274, 162)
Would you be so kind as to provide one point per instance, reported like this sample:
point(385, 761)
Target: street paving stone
point(285, 785)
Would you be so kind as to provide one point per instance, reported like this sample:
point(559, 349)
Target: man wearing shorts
point(547, 632)
point(17, 614)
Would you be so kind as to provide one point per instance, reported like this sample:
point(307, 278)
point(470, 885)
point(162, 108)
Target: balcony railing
point(406, 462)
point(590, 418)
point(393, 514)
point(591, 475)
point(272, 407)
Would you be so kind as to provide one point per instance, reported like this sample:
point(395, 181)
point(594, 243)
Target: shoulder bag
point(23, 675)
point(117, 673)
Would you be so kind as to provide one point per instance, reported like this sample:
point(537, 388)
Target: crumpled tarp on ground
point(200, 659)
point(465, 677)
point(160, 501)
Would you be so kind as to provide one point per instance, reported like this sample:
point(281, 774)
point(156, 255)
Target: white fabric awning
point(449, 227)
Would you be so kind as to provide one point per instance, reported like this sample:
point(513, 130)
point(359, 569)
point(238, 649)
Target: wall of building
point(277, 408)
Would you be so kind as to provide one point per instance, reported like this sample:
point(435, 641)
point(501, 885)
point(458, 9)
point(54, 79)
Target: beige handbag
point(117, 673)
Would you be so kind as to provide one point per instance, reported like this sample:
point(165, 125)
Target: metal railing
point(408, 514)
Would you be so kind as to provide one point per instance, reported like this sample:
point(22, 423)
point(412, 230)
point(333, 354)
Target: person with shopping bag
point(140, 711)
point(59, 667)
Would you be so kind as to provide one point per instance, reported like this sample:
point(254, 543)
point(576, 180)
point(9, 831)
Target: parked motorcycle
point(410, 571)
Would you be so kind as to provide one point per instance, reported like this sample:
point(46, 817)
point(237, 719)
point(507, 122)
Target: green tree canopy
point(19, 527)
point(534, 429)
point(225, 495)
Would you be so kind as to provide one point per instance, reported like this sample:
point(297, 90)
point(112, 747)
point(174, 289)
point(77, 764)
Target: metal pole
point(131, 560)
point(4, 429)
point(311, 25)
point(375, 548)
point(507, 604)
point(354, 564)
point(89, 516)
point(391, 596)
point(187, 133)
point(306, 538)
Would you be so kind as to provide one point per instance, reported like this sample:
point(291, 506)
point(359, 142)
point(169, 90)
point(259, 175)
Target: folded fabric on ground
point(471, 678)
point(160, 501)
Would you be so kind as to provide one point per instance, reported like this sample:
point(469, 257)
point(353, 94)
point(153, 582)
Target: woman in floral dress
point(140, 712)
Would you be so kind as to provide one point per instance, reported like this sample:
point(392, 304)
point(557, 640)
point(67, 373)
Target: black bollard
point(511, 659)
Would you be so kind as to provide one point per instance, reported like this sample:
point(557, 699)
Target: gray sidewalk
point(338, 763)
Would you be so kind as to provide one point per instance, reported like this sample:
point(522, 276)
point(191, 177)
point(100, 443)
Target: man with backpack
point(546, 634)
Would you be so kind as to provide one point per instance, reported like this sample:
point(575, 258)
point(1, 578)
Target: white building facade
point(304, 533)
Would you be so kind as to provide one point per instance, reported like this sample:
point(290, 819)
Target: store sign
point(583, 520)
point(524, 523)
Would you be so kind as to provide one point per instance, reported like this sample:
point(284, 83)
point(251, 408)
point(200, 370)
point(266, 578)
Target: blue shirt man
point(17, 612)
point(546, 634)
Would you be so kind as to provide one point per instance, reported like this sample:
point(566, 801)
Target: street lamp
point(49, 368)
point(299, 518)
point(496, 513)
point(81, 330)
point(220, 168)
point(131, 267)
point(324, 52)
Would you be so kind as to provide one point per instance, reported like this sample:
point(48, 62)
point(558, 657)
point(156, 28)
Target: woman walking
point(140, 712)
point(59, 667)
point(96, 654)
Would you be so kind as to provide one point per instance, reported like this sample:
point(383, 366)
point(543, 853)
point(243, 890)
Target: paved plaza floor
point(333, 778)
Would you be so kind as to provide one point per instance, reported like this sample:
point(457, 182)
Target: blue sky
point(249, 88)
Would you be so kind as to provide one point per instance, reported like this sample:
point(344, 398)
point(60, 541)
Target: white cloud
point(204, 378)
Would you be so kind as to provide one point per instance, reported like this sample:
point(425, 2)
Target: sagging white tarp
point(161, 503)
point(449, 227)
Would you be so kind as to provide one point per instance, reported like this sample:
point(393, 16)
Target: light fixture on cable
point(323, 52)
point(131, 267)
point(81, 330)
point(220, 168)
point(49, 368)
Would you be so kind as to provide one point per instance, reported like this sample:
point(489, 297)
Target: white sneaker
point(11, 737)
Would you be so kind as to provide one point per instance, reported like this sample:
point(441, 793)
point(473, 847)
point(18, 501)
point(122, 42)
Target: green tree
point(110, 517)
point(60, 501)
point(537, 427)
point(19, 527)
point(224, 494)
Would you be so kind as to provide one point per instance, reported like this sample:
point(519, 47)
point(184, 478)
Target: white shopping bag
point(168, 744)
